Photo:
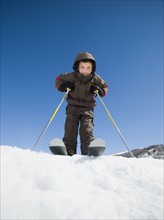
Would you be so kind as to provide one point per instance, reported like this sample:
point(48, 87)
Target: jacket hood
point(84, 56)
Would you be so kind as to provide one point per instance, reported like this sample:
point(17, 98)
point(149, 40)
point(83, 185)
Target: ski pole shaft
point(114, 124)
point(50, 120)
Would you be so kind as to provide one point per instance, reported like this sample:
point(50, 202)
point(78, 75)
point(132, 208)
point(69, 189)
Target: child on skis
point(82, 82)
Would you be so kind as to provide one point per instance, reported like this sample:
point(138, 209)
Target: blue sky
point(40, 40)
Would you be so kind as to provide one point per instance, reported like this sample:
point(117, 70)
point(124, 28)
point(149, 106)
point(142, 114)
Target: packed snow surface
point(43, 186)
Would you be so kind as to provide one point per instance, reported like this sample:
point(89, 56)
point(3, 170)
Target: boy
point(82, 82)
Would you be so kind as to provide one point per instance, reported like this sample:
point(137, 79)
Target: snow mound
point(153, 151)
point(43, 186)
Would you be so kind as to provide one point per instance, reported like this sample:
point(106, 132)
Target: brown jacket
point(81, 95)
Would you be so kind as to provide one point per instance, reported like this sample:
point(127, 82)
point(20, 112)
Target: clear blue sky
point(40, 40)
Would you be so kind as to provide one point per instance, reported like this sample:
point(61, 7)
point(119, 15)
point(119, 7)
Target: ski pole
point(114, 124)
point(51, 118)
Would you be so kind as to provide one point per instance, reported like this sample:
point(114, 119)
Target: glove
point(67, 85)
point(100, 90)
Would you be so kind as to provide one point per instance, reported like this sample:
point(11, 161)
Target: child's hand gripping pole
point(114, 124)
point(51, 118)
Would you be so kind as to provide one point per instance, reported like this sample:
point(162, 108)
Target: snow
point(98, 142)
point(37, 185)
point(56, 142)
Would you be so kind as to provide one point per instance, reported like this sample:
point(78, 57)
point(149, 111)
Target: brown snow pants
point(78, 119)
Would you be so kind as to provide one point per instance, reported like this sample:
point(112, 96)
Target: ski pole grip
point(68, 89)
point(96, 91)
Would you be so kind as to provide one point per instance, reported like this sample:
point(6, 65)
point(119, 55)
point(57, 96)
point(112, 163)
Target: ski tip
point(56, 142)
point(98, 142)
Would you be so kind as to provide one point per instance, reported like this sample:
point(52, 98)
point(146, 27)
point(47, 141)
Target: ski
point(96, 148)
point(57, 147)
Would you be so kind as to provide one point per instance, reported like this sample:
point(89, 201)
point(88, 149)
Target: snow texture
point(43, 186)
point(56, 142)
point(97, 143)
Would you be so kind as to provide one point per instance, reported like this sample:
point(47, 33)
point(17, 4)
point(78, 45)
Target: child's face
point(85, 68)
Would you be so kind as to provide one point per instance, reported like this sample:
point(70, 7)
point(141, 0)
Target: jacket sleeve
point(61, 79)
point(97, 80)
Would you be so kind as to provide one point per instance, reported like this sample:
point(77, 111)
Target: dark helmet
point(84, 56)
